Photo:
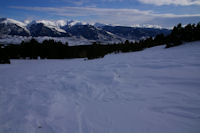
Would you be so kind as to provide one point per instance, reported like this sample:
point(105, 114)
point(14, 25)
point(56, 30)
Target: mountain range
point(70, 29)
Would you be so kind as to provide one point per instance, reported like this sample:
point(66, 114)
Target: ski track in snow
point(152, 91)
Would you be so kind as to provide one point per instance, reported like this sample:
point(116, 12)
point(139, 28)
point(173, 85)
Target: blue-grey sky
point(165, 13)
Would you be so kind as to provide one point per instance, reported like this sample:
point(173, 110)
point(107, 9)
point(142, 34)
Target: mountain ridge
point(65, 28)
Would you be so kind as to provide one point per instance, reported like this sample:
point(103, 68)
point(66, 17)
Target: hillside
point(151, 91)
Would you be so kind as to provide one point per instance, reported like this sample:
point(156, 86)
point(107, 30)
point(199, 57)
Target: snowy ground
point(153, 91)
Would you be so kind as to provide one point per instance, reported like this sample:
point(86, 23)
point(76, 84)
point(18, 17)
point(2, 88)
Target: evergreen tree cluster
point(179, 34)
point(4, 59)
point(50, 49)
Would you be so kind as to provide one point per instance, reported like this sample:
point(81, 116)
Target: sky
point(165, 13)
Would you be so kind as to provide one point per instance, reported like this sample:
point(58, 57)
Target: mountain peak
point(12, 21)
point(75, 22)
point(98, 25)
point(12, 27)
point(50, 24)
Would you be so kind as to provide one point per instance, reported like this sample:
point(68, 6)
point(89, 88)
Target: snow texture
point(153, 91)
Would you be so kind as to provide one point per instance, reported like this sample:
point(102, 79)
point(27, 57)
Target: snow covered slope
point(153, 91)
point(12, 21)
point(13, 27)
point(47, 28)
point(51, 24)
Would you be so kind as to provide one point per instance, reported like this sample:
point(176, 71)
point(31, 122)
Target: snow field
point(152, 91)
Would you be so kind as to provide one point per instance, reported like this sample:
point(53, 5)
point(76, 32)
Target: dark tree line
point(179, 34)
point(4, 58)
point(50, 49)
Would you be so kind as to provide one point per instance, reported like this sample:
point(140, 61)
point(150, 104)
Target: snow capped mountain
point(12, 27)
point(12, 21)
point(74, 23)
point(89, 32)
point(134, 33)
point(54, 25)
point(77, 29)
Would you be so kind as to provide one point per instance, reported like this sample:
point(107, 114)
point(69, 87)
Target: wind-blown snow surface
point(153, 91)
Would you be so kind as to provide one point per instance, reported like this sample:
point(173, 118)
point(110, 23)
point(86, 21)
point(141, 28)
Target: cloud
point(113, 16)
point(75, 2)
point(78, 3)
point(111, 0)
point(171, 2)
point(85, 11)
